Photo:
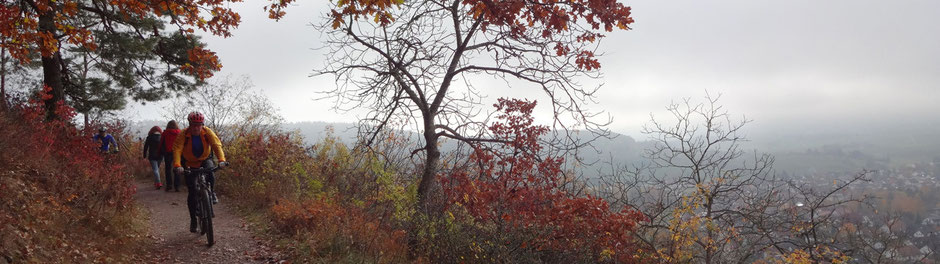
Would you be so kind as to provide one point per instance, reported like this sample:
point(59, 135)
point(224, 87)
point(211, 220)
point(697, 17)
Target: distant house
point(867, 221)
point(925, 250)
point(928, 221)
point(885, 229)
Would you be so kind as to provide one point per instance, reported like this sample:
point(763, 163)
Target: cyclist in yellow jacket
point(192, 149)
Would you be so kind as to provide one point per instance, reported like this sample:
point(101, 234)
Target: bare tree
point(423, 68)
point(873, 240)
point(231, 107)
point(710, 201)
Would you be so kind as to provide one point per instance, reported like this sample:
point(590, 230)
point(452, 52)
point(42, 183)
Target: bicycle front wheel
point(206, 206)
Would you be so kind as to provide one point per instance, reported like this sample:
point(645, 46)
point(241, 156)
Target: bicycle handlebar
point(200, 170)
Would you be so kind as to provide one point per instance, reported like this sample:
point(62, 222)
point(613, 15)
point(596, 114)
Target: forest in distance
point(797, 153)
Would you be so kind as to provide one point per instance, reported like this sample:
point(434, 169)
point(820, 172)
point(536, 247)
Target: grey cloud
point(783, 63)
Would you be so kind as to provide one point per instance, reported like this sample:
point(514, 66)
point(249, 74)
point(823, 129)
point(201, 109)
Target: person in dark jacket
point(153, 152)
point(166, 146)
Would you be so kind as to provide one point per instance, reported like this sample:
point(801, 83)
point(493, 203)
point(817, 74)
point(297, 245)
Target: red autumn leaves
point(555, 18)
point(551, 19)
point(514, 187)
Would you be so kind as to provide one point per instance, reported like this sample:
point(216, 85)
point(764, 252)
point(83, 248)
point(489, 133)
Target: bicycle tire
point(207, 218)
point(200, 216)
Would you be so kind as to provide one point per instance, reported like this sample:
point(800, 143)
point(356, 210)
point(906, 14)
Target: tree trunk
point(428, 201)
point(51, 67)
point(3, 78)
point(427, 187)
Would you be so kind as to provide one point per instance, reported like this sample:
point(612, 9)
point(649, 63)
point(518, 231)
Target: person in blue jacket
point(107, 141)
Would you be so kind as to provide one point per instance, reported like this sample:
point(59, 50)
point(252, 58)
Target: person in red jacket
point(166, 144)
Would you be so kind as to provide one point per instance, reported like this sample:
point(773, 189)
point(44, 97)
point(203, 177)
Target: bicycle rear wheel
point(206, 207)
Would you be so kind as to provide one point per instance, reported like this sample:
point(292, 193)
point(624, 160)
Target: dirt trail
point(173, 243)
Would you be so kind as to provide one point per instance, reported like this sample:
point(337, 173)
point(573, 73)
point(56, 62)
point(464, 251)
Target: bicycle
point(204, 211)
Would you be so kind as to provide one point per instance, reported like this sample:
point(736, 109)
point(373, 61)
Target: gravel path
point(173, 243)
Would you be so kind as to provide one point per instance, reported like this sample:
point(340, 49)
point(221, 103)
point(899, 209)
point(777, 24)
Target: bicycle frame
point(203, 185)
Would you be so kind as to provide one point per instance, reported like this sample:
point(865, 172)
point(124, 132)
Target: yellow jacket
point(183, 146)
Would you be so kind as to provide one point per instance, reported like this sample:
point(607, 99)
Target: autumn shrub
point(130, 146)
point(511, 203)
point(334, 203)
point(819, 254)
point(61, 201)
point(267, 167)
point(337, 232)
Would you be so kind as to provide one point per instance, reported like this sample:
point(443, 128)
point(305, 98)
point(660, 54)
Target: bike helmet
point(196, 117)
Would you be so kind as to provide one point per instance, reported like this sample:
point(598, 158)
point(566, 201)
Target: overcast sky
point(795, 64)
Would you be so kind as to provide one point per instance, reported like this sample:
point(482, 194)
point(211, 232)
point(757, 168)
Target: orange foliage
point(820, 254)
